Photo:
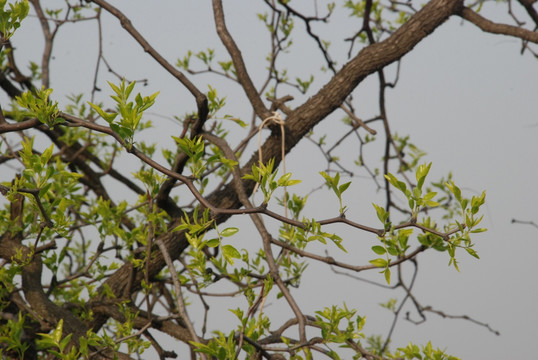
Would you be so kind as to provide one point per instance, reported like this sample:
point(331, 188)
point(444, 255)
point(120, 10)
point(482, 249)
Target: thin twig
point(179, 297)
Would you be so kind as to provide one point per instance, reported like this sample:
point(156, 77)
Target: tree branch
point(239, 64)
point(495, 28)
point(201, 99)
point(528, 5)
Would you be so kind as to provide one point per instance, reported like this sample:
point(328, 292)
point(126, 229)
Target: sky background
point(465, 97)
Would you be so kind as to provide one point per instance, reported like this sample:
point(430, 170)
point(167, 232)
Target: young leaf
point(229, 253)
point(396, 183)
point(422, 172)
point(229, 231)
point(109, 117)
point(379, 262)
point(472, 252)
point(379, 250)
point(387, 275)
point(343, 187)
point(382, 215)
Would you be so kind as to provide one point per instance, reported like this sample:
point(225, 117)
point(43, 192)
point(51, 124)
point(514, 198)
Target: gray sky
point(466, 98)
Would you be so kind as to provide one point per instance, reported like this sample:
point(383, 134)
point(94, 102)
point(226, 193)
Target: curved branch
point(201, 99)
point(239, 64)
point(495, 28)
point(331, 261)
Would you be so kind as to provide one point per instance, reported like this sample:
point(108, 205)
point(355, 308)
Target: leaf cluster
point(130, 112)
point(38, 105)
point(10, 19)
point(265, 175)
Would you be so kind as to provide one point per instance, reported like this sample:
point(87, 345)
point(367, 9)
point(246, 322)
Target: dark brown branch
point(357, 122)
point(331, 261)
point(239, 64)
point(495, 28)
point(307, 20)
point(528, 5)
point(47, 52)
point(8, 86)
point(423, 309)
point(35, 193)
point(23, 125)
point(201, 99)
point(532, 223)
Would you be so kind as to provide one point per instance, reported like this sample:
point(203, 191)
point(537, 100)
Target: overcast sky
point(466, 98)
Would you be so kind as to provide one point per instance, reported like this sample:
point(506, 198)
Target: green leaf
point(239, 122)
point(330, 181)
point(417, 193)
point(268, 285)
point(337, 241)
point(382, 215)
point(229, 253)
point(129, 89)
point(228, 162)
point(213, 242)
point(38, 105)
point(379, 262)
point(397, 184)
point(57, 333)
point(392, 251)
point(115, 88)
point(193, 240)
point(343, 187)
point(422, 172)
point(472, 252)
point(379, 250)
point(454, 190)
point(319, 238)
point(45, 157)
point(292, 182)
point(387, 275)
point(431, 203)
point(286, 181)
point(429, 196)
point(229, 231)
point(109, 117)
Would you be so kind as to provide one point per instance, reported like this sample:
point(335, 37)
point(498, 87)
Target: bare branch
point(495, 28)
point(239, 64)
point(201, 99)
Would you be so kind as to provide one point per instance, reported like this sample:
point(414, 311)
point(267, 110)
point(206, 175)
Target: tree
point(95, 268)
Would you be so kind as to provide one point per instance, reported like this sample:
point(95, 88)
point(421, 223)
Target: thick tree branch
point(23, 125)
